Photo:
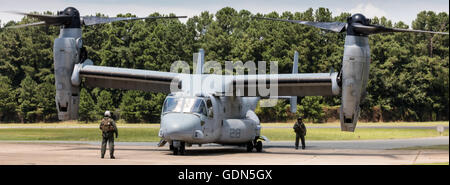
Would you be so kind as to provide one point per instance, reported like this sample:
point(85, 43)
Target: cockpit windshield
point(191, 105)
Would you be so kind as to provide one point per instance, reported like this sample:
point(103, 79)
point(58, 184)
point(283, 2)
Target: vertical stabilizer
point(294, 71)
point(199, 61)
point(196, 80)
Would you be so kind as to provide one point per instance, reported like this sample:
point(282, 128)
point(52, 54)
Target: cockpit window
point(193, 105)
point(173, 105)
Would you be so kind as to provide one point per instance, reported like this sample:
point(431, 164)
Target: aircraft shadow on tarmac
point(118, 149)
point(225, 151)
point(217, 151)
point(375, 153)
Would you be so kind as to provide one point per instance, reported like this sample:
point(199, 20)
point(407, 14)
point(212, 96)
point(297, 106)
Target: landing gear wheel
point(171, 147)
point(182, 148)
point(259, 146)
point(249, 146)
point(178, 148)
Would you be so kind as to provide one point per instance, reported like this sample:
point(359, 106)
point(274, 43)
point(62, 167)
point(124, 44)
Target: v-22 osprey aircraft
point(192, 115)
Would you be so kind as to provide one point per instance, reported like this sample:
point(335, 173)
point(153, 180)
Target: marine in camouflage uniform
point(108, 134)
point(300, 130)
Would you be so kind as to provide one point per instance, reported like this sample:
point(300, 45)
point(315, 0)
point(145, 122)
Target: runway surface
point(140, 153)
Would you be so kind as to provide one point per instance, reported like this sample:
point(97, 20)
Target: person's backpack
point(106, 125)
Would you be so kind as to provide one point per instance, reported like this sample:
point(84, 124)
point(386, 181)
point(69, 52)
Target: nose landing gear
point(259, 146)
point(178, 147)
point(249, 146)
point(255, 144)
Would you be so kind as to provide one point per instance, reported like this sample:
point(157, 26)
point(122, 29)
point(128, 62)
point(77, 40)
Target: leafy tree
point(104, 102)
point(134, 108)
point(28, 100)
point(408, 72)
point(46, 109)
point(86, 110)
point(7, 100)
point(311, 109)
point(279, 112)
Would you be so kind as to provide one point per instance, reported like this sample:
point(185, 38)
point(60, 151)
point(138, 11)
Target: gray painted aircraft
point(195, 115)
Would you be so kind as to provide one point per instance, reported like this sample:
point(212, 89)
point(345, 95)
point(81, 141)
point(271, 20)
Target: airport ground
point(372, 143)
point(362, 152)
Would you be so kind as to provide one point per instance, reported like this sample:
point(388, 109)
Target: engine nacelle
point(66, 51)
point(355, 73)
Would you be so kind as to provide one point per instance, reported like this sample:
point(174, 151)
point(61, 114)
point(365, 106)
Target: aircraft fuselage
point(209, 119)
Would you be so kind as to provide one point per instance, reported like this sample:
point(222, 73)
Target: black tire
point(182, 149)
point(175, 151)
point(249, 147)
point(171, 147)
point(259, 146)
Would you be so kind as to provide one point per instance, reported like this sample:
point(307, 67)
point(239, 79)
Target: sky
point(395, 10)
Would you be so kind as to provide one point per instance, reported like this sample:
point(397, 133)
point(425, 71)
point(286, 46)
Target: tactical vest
point(106, 125)
point(300, 128)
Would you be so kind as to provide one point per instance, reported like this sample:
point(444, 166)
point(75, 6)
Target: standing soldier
point(108, 127)
point(300, 130)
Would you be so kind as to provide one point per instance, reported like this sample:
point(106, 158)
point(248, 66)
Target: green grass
point(78, 134)
point(287, 134)
point(279, 124)
point(151, 134)
point(443, 163)
point(431, 123)
point(433, 147)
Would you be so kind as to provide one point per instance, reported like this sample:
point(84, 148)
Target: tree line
point(408, 81)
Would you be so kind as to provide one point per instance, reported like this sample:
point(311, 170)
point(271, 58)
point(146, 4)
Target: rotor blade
point(26, 25)
point(416, 31)
point(92, 20)
point(48, 19)
point(373, 29)
point(331, 26)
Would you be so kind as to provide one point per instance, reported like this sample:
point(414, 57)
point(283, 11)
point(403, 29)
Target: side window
point(164, 109)
point(204, 111)
point(208, 103)
point(209, 108)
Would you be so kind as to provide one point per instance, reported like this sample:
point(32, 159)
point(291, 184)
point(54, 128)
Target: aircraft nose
point(179, 126)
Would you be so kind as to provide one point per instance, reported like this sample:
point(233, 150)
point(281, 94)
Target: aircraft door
point(208, 119)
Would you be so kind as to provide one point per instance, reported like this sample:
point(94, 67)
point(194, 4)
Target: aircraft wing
point(123, 78)
point(300, 84)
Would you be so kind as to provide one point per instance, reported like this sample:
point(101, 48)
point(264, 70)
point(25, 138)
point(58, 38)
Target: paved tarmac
point(360, 152)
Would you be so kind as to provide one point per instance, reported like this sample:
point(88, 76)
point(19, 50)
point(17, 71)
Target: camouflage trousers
point(303, 140)
point(108, 137)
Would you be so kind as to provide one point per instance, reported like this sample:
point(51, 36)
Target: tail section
point(293, 100)
point(199, 60)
